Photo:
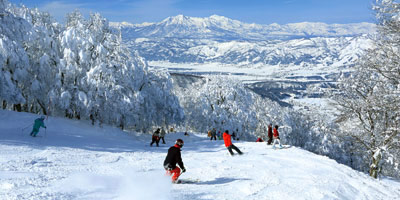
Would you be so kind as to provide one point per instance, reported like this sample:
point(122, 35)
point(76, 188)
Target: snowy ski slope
point(73, 160)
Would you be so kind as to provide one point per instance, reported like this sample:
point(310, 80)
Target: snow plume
point(128, 185)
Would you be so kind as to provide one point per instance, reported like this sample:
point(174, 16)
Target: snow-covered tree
point(14, 61)
point(225, 103)
point(81, 70)
point(43, 50)
point(369, 102)
point(103, 81)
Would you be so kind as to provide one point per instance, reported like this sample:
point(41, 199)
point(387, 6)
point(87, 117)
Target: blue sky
point(250, 11)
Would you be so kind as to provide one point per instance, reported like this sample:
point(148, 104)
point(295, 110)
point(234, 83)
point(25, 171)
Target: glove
point(45, 127)
point(168, 167)
point(183, 170)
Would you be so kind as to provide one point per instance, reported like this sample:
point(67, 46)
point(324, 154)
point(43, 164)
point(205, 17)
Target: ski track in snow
point(77, 161)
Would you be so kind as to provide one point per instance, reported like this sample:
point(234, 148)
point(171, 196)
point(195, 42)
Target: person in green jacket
point(39, 122)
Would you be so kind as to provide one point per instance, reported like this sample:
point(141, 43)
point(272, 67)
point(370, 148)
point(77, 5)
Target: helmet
point(179, 142)
point(42, 117)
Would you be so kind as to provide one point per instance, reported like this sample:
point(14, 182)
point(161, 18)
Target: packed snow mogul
point(162, 135)
point(39, 122)
point(173, 158)
point(276, 137)
point(156, 137)
point(228, 143)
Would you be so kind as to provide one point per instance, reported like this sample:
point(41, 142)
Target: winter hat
point(226, 131)
point(179, 142)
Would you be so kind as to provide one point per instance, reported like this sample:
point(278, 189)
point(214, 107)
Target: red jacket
point(227, 139)
point(276, 133)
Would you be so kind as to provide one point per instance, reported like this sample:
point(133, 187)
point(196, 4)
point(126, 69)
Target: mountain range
point(225, 29)
point(183, 39)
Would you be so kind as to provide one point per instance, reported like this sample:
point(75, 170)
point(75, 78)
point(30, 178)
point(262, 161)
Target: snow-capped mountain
point(219, 27)
point(183, 39)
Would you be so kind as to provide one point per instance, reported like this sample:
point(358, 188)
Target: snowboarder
point(269, 134)
point(39, 122)
point(156, 137)
point(276, 137)
point(162, 135)
point(213, 134)
point(173, 158)
point(228, 143)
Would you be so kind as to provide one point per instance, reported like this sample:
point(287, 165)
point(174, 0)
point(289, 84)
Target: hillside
point(73, 160)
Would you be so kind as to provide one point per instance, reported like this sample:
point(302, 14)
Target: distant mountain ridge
point(219, 27)
point(182, 39)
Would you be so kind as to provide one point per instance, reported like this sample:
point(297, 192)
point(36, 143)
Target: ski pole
point(23, 129)
point(27, 126)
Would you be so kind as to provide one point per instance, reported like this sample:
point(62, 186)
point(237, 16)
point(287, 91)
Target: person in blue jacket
point(39, 122)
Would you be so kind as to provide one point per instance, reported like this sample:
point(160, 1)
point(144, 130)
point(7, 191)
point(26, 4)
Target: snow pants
point(176, 172)
point(277, 140)
point(154, 140)
point(235, 148)
point(269, 140)
point(34, 132)
point(213, 137)
point(162, 138)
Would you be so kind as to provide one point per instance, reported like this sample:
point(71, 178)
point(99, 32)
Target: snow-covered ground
point(73, 160)
point(249, 73)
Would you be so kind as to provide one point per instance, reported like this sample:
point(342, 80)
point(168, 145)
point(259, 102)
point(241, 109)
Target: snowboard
point(283, 147)
point(187, 181)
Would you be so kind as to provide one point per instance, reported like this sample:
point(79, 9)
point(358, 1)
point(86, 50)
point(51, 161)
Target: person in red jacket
point(228, 143)
point(276, 137)
point(173, 158)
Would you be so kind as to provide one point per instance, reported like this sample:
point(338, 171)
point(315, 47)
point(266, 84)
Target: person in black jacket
point(173, 158)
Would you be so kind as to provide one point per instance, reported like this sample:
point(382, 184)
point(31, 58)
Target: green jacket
point(38, 123)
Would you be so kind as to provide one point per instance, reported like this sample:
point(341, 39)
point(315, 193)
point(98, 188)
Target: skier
point(219, 135)
point(173, 158)
point(259, 139)
point(228, 143)
point(162, 135)
point(39, 122)
point(156, 137)
point(269, 134)
point(213, 134)
point(276, 137)
point(233, 135)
